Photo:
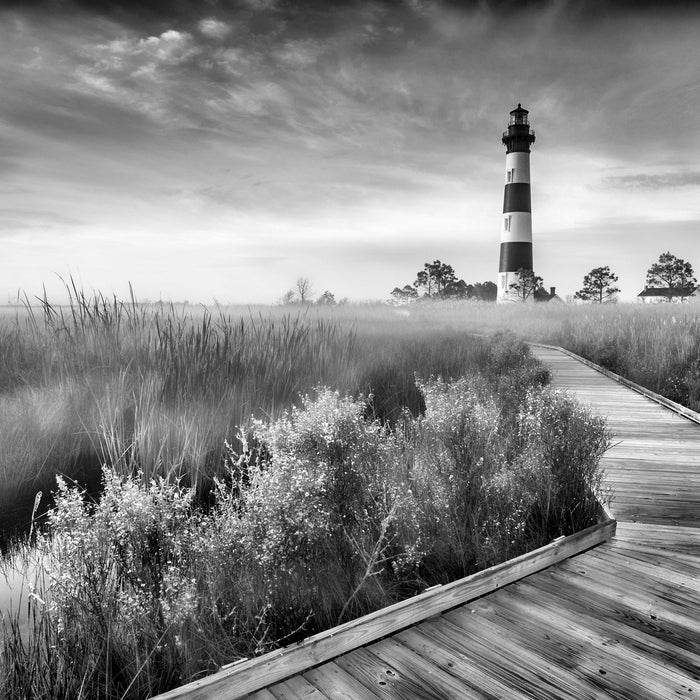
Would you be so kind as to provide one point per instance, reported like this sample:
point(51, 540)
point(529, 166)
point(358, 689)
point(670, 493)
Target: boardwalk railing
point(246, 676)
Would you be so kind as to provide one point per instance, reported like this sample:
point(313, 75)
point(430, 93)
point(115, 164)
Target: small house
point(660, 295)
point(542, 295)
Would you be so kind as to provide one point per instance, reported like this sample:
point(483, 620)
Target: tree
point(289, 297)
point(598, 286)
point(671, 272)
point(327, 299)
point(404, 295)
point(458, 289)
point(303, 289)
point(526, 284)
point(434, 278)
point(485, 291)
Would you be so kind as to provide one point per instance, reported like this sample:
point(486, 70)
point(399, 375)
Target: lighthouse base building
point(516, 230)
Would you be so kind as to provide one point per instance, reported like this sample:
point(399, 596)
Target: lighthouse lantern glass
point(518, 118)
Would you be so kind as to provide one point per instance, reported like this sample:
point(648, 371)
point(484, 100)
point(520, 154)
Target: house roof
point(667, 292)
point(542, 294)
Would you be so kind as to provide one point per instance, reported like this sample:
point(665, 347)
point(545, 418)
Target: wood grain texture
point(619, 620)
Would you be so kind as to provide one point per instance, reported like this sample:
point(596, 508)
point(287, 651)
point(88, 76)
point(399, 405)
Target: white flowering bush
point(118, 592)
point(497, 477)
point(319, 517)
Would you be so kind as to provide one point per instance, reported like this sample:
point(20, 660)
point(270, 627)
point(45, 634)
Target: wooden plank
point(623, 611)
point(522, 667)
point(428, 640)
point(384, 679)
point(568, 648)
point(617, 627)
point(635, 567)
point(675, 538)
point(662, 558)
point(270, 668)
point(549, 619)
point(263, 694)
point(336, 683)
point(296, 688)
point(649, 600)
point(433, 682)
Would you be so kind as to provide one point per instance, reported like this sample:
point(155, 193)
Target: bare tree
point(303, 289)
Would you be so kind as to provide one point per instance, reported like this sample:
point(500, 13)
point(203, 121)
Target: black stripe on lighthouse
point(515, 256)
point(517, 197)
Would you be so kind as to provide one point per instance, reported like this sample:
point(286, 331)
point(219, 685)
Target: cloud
point(214, 28)
point(653, 181)
point(171, 47)
point(299, 53)
point(14, 220)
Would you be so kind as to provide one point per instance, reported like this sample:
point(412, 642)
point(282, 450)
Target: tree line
point(303, 293)
point(437, 280)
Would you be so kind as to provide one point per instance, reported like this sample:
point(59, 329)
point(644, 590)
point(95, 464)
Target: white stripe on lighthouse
point(518, 164)
point(517, 227)
point(505, 279)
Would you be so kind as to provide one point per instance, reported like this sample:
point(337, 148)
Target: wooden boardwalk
point(621, 620)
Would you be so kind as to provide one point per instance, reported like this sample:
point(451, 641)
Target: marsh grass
point(160, 388)
point(149, 389)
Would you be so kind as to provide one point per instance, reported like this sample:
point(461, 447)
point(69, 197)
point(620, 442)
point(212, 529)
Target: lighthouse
point(516, 228)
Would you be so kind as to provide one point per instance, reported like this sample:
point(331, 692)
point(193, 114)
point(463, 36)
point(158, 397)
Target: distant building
point(661, 295)
point(542, 294)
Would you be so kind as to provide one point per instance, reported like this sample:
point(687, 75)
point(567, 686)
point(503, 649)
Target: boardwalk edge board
point(668, 403)
point(247, 676)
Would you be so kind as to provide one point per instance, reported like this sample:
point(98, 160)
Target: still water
point(14, 590)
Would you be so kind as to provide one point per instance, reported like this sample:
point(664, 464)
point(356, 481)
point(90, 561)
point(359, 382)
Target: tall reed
point(159, 389)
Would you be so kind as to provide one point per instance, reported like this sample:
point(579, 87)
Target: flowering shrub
point(499, 477)
point(318, 515)
point(118, 592)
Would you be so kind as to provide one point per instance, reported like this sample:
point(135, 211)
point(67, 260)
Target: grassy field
point(269, 473)
point(159, 388)
point(266, 473)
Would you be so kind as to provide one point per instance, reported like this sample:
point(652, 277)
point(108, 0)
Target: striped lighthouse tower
point(516, 229)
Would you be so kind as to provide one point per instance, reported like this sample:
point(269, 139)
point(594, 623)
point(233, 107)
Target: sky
point(217, 150)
